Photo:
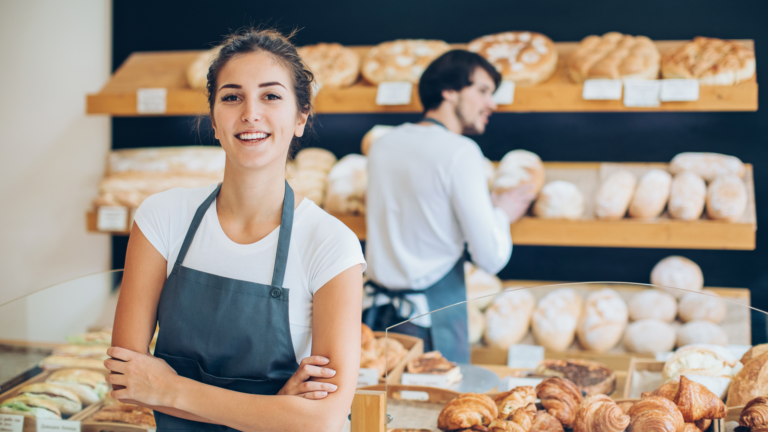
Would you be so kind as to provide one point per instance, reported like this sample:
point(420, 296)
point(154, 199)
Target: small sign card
point(51, 425)
point(112, 218)
point(505, 94)
point(394, 93)
point(414, 395)
point(151, 100)
point(641, 93)
point(439, 381)
point(367, 377)
point(679, 90)
point(602, 89)
point(513, 382)
point(11, 423)
point(525, 356)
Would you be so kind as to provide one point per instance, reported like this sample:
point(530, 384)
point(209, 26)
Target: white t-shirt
point(321, 248)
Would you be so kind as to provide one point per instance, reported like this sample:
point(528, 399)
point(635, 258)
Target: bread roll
point(686, 199)
point(347, 185)
point(649, 336)
point(315, 158)
point(677, 272)
point(559, 200)
point(707, 165)
point(508, 318)
point(614, 195)
point(701, 332)
point(518, 168)
point(727, 198)
point(750, 382)
point(555, 319)
point(651, 194)
point(711, 365)
point(707, 306)
point(372, 135)
point(653, 304)
point(481, 286)
point(603, 321)
point(476, 324)
point(754, 352)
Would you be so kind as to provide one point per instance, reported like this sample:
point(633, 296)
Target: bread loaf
point(509, 318)
point(372, 135)
point(707, 306)
point(614, 195)
point(603, 320)
point(711, 61)
point(708, 166)
point(687, 197)
point(332, 64)
point(701, 332)
point(347, 185)
point(754, 352)
point(677, 272)
point(649, 336)
point(750, 382)
point(197, 72)
point(401, 60)
point(653, 304)
point(526, 58)
point(481, 286)
point(559, 200)
point(518, 168)
point(711, 365)
point(651, 194)
point(614, 56)
point(727, 198)
point(555, 319)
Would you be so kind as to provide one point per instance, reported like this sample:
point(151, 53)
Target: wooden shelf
point(558, 94)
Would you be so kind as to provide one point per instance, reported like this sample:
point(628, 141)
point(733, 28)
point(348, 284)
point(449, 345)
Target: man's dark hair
point(451, 71)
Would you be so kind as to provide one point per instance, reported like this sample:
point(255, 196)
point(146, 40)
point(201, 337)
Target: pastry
point(600, 413)
point(614, 195)
point(401, 60)
point(65, 400)
point(694, 400)
point(372, 135)
point(649, 336)
point(711, 365)
point(656, 414)
point(90, 386)
point(755, 413)
point(103, 338)
point(382, 354)
point(560, 398)
point(603, 320)
point(482, 286)
point(703, 424)
point(691, 427)
point(527, 58)
point(651, 194)
point(435, 364)
point(520, 421)
point(753, 353)
point(467, 411)
point(555, 318)
point(58, 362)
point(520, 397)
point(653, 304)
point(519, 168)
point(687, 196)
point(590, 377)
point(332, 64)
point(347, 185)
point(614, 56)
point(476, 323)
point(677, 272)
point(559, 200)
point(711, 61)
point(701, 332)
point(197, 72)
point(509, 318)
point(749, 383)
point(545, 422)
point(727, 198)
point(708, 166)
point(707, 306)
point(29, 406)
point(625, 406)
point(118, 412)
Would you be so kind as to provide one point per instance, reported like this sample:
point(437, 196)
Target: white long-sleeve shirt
point(427, 197)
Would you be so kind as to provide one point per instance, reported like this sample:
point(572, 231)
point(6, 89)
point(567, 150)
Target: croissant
point(691, 427)
point(520, 421)
point(560, 397)
point(694, 400)
point(467, 411)
point(657, 414)
point(510, 401)
point(755, 413)
point(625, 406)
point(703, 424)
point(544, 422)
point(599, 413)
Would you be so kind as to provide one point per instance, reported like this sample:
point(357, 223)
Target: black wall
point(638, 137)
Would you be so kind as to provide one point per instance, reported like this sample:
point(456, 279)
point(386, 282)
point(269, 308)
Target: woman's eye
point(272, 96)
point(229, 98)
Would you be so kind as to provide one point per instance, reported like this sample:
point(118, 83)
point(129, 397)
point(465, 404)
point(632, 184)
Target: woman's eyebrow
point(234, 86)
point(271, 83)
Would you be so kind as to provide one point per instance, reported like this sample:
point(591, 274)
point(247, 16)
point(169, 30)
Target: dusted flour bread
point(711, 365)
point(653, 304)
point(518, 168)
point(508, 318)
point(687, 197)
point(347, 185)
point(677, 272)
point(707, 306)
point(701, 332)
point(649, 336)
point(727, 198)
point(555, 319)
point(603, 320)
point(401, 60)
point(614, 195)
point(332, 64)
point(750, 382)
point(651, 194)
point(481, 286)
point(310, 170)
point(707, 165)
point(524, 57)
point(476, 323)
point(614, 56)
point(372, 135)
point(559, 200)
point(711, 61)
point(197, 72)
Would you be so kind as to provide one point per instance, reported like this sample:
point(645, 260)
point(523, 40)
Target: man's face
point(475, 103)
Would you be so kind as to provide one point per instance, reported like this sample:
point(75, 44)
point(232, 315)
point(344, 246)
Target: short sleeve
point(334, 248)
point(154, 219)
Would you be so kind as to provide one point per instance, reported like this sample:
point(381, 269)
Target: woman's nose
point(252, 112)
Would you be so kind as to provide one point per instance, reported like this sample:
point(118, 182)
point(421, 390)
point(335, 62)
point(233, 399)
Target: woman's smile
point(252, 138)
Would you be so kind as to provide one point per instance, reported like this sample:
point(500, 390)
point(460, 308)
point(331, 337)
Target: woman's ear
point(213, 126)
point(302, 123)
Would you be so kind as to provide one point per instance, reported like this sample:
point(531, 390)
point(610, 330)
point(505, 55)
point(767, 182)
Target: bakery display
point(90, 386)
point(589, 376)
point(66, 401)
point(749, 382)
point(332, 64)
point(711, 365)
point(614, 56)
point(509, 318)
point(615, 194)
point(519, 168)
point(382, 354)
point(559, 200)
point(727, 198)
point(707, 307)
point(115, 411)
point(401, 60)
point(197, 72)
point(433, 363)
point(603, 320)
point(482, 286)
point(711, 61)
point(653, 304)
point(526, 58)
point(677, 272)
point(600, 413)
point(555, 319)
point(687, 196)
point(309, 173)
point(347, 185)
point(755, 414)
point(30, 406)
point(708, 166)
point(651, 195)
point(649, 336)
point(372, 135)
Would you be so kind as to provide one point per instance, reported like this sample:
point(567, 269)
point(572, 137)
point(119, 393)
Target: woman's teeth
point(253, 136)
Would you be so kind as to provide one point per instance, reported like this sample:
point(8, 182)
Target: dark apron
point(225, 332)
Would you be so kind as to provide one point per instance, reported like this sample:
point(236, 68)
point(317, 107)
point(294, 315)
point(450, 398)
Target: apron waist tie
point(399, 294)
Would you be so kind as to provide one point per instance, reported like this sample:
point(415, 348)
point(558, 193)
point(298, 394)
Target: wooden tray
point(415, 347)
point(88, 425)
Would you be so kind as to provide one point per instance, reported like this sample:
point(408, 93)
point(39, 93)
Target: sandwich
point(77, 356)
point(65, 400)
point(29, 406)
point(90, 386)
point(92, 338)
point(433, 363)
point(82, 351)
point(118, 412)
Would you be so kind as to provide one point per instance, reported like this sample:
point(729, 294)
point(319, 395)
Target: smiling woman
point(257, 290)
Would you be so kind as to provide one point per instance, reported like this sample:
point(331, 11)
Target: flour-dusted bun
point(481, 286)
point(677, 272)
point(559, 200)
point(476, 323)
point(614, 195)
point(711, 61)
point(707, 165)
point(372, 135)
point(524, 57)
point(555, 319)
point(713, 366)
point(649, 336)
point(401, 60)
point(614, 56)
point(687, 196)
point(518, 168)
point(651, 194)
point(701, 332)
point(332, 64)
point(509, 318)
point(653, 304)
point(347, 185)
point(315, 158)
point(727, 198)
point(603, 320)
point(197, 72)
point(707, 306)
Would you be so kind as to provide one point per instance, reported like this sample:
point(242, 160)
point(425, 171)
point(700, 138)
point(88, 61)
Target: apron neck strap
point(195, 225)
point(433, 121)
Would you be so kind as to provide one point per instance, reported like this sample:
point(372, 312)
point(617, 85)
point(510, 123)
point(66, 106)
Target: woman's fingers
point(314, 395)
point(120, 353)
point(115, 365)
point(314, 360)
point(116, 379)
point(308, 371)
point(314, 386)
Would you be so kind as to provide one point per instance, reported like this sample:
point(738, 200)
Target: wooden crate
point(415, 347)
point(89, 425)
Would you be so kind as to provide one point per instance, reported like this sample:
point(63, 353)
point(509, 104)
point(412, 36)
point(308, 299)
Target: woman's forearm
point(180, 414)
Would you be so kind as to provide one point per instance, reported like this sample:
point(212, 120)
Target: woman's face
point(254, 113)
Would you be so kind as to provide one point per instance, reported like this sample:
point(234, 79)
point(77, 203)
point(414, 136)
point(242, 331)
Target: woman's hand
point(145, 379)
point(299, 384)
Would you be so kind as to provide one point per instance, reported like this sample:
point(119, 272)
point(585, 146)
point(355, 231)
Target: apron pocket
point(189, 368)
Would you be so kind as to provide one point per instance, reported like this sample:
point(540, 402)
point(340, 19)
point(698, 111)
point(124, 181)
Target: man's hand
point(514, 202)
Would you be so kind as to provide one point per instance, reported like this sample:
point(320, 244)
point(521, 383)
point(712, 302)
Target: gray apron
point(225, 332)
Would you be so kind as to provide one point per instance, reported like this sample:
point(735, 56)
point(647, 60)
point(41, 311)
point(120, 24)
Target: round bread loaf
point(750, 382)
point(197, 72)
point(651, 194)
point(653, 304)
point(603, 320)
point(614, 195)
point(315, 158)
point(509, 318)
point(401, 60)
point(649, 336)
point(372, 135)
point(711, 61)
point(332, 64)
point(518, 168)
point(727, 198)
point(614, 56)
point(481, 286)
point(347, 185)
point(708, 166)
point(707, 306)
point(555, 319)
point(677, 272)
point(524, 57)
point(559, 200)
point(701, 332)
point(687, 196)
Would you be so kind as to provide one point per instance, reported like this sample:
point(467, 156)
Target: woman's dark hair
point(451, 71)
point(278, 46)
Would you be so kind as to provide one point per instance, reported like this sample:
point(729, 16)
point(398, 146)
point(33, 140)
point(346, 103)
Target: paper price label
point(602, 89)
point(414, 395)
point(679, 90)
point(112, 218)
point(505, 94)
point(513, 382)
point(641, 93)
point(439, 381)
point(525, 356)
point(11, 423)
point(394, 93)
point(367, 377)
point(151, 100)
point(50, 425)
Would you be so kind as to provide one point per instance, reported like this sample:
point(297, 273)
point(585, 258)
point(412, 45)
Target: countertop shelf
point(558, 94)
